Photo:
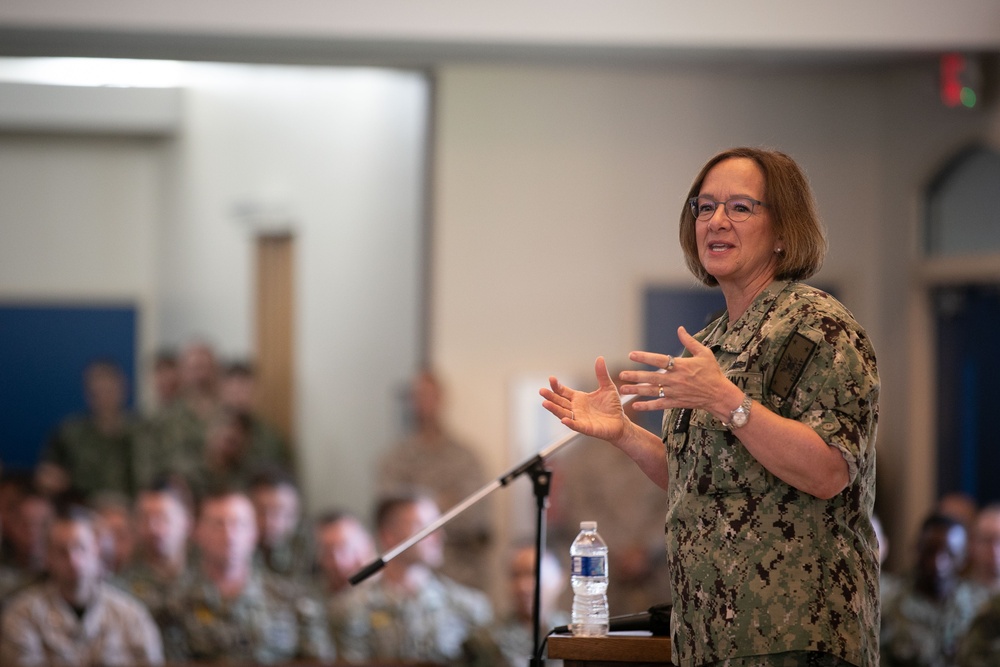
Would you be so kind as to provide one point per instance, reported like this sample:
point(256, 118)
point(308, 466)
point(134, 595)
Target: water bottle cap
point(588, 525)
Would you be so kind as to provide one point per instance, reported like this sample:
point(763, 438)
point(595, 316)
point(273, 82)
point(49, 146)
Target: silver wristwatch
point(741, 415)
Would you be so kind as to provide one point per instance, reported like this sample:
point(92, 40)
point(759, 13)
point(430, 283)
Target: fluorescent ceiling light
point(114, 72)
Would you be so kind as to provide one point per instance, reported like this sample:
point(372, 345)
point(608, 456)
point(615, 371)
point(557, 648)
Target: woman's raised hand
point(598, 413)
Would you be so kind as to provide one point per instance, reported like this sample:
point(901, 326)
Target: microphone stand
point(542, 480)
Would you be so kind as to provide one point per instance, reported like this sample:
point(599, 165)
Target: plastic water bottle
point(589, 555)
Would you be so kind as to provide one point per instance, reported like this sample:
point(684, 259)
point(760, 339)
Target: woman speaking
point(767, 449)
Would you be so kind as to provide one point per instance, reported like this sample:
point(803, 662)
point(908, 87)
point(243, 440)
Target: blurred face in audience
point(227, 532)
point(343, 547)
point(115, 536)
point(522, 582)
point(238, 391)
point(405, 521)
point(198, 368)
point(277, 509)
point(940, 556)
point(985, 546)
point(427, 397)
point(30, 528)
point(226, 442)
point(166, 381)
point(162, 525)
point(74, 560)
point(104, 386)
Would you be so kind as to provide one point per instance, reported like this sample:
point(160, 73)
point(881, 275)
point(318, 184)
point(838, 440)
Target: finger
point(559, 389)
point(604, 380)
point(560, 412)
point(691, 345)
point(658, 361)
point(554, 398)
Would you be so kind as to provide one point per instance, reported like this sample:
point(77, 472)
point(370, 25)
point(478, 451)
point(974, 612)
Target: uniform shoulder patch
point(791, 364)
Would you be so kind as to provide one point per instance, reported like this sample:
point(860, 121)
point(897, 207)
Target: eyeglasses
point(738, 209)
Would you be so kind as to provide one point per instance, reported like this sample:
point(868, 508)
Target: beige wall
point(557, 193)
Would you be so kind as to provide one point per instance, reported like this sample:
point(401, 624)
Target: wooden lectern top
point(618, 649)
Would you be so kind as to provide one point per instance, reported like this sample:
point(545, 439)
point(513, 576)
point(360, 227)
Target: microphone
point(656, 621)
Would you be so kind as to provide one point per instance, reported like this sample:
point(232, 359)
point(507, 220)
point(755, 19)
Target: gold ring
point(670, 363)
point(661, 390)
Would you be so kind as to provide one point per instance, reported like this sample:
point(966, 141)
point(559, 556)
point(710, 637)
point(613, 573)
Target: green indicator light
point(968, 97)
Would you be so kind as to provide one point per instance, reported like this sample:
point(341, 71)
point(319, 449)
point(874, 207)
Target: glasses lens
point(703, 207)
point(739, 209)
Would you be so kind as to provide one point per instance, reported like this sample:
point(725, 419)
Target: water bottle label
point(588, 566)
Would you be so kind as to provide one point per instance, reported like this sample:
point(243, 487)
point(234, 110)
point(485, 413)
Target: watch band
point(741, 415)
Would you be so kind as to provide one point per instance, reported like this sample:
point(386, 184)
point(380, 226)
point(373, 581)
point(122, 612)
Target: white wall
point(78, 217)
point(338, 153)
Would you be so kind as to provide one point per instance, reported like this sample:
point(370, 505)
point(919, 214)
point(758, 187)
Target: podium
point(618, 649)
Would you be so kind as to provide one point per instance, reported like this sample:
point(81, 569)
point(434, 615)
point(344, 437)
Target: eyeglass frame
point(693, 205)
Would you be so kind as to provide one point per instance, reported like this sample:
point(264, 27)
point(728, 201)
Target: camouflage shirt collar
point(734, 337)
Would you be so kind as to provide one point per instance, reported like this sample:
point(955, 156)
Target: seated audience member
point(229, 611)
point(960, 506)
point(921, 626)
point(115, 532)
point(238, 392)
point(430, 457)
point(96, 451)
point(225, 457)
point(13, 486)
point(176, 435)
point(980, 647)
point(74, 617)
point(160, 563)
point(166, 379)
point(511, 642)
point(29, 534)
point(410, 613)
point(984, 550)
point(284, 542)
point(343, 547)
point(12, 489)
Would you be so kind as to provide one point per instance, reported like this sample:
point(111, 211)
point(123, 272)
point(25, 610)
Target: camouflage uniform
point(174, 441)
point(94, 461)
point(374, 623)
point(272, 621)
point(12, 580)
point(757, 566)
point(920, 632)
point(981, 645)
point(268, 445)
point(450, 471)
point(40, 628)
point(152, 589)
point(292, 558)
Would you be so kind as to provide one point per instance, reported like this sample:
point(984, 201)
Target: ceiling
point(408, 33)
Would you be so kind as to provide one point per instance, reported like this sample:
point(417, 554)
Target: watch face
point(739, 417)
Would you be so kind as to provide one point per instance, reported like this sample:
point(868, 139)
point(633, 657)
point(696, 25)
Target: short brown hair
point(792, 207)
